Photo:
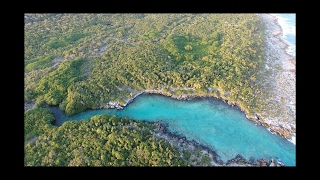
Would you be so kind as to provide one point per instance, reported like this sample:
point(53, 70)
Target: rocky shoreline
point(283, 86)
point(183, 144)
point(257, 118)
point(276, 53)
point(280, 116)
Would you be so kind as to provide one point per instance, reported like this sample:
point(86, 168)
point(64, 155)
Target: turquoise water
point(208, 121)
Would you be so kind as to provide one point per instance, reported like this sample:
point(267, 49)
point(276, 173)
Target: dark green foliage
point(206, 160)
point(187, 154)
point(223, 51)
point(71, 38)
point(37, 122)
point(57, 44)
point(183, 47)
point(111, 57)
point(102, 141)
point(39, 63)
point(152, 35)
point(53, 88)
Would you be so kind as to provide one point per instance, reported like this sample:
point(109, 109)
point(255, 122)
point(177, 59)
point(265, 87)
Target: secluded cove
point(208, 121)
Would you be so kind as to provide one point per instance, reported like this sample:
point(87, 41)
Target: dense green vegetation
point(125, 53)
point(38, 63)
point(52, 89)
point(84, 61)
point(100, 141)
point(37, 122)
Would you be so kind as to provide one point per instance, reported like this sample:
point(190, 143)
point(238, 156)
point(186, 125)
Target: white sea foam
point(286, 28)
point(287, 23)
point(293, 138)
point(294, 30)
point(271, 131)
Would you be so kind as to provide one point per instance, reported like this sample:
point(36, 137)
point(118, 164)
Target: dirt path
point(31, 140)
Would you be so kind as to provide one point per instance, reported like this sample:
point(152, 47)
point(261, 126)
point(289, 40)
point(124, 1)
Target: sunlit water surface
point(208, 121)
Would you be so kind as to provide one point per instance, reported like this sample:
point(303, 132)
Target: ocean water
point(288, 25)
point(208, 121)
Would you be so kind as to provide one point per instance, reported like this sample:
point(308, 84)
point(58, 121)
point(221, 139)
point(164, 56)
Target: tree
point(188, 47)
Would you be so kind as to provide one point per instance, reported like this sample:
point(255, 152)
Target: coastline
point(283, 81)
point(276, 55)
point(276, 35)
point(183, 144)
point(283, 85)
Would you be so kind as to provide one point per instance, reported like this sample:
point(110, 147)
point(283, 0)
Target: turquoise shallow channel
point(209, 122)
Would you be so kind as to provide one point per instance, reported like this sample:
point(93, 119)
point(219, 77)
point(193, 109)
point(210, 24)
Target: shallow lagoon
point(208, 121)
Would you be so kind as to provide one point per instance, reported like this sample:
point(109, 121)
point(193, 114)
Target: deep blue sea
point(288, 25)
point(208, 121)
